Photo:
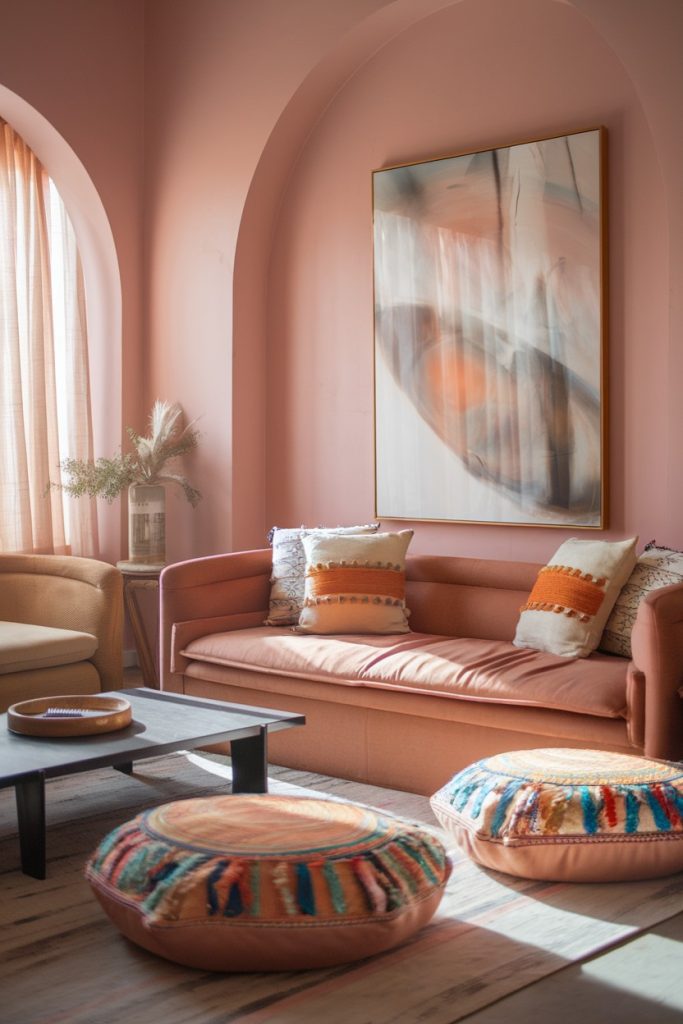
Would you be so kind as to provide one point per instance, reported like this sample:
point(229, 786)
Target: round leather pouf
point(256, 883)
point(568, 815)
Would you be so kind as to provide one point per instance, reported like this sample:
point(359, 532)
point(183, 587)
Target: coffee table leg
point(249, 763)
point(30, 795)
point(126, 767)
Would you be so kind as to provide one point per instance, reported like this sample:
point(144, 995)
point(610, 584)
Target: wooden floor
point(639, 981)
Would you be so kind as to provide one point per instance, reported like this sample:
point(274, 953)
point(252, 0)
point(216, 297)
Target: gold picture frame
point(490, 294)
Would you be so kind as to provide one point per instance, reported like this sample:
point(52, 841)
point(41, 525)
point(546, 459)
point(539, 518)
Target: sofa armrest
point(68, 592)
point(657, 644)
point(213, 588)
point(183, 633)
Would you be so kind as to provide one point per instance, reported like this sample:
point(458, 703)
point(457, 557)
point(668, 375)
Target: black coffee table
point(162, 722)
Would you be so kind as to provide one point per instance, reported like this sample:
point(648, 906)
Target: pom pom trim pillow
point(573, 595)
point(657, 567)
point(568, 815)
point(355, 584)
point(289, 570)
point(268, 883)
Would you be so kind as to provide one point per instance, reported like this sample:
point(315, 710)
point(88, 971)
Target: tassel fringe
point(516, 806)
point(159, 877)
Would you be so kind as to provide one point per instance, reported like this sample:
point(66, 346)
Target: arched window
point(45, 411)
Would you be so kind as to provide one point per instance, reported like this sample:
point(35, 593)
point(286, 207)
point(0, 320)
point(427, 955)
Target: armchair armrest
point(68, 592)
point(657, 644)
point(209, 595)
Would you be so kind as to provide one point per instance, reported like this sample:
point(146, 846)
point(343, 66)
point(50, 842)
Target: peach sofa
point(408, 711)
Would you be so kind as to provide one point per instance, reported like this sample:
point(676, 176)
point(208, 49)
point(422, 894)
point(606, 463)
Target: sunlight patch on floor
point(662, 982)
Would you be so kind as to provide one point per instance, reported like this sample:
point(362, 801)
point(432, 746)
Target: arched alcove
point(296, 296)
point(101, 277)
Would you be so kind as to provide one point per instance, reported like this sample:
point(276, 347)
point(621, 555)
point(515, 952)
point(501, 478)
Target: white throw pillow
point(573, 596)
point(355, 584)
point(289, 569)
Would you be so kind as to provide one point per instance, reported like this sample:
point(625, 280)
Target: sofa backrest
point(446, 595)
point(472, 597)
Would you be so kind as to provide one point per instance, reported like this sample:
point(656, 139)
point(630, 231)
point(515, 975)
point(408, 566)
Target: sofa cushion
point(573, 596)
point(496, 671)
point(657, 567)
point(447, 667)
point(355, 584)
point(289, 570)
point(24, 646)
point(330, 658)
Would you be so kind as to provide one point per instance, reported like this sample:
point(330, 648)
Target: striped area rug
point(62, 962)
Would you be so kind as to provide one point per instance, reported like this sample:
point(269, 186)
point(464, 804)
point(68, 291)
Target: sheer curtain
point(44, 381)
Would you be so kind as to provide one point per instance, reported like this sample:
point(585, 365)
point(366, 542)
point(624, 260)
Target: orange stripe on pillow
point(557, 586)
point(387, 582)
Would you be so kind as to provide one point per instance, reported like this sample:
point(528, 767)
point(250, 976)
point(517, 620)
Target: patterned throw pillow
point(657, 567)
point(289, 570)
point(574, 593)
point(355, 584)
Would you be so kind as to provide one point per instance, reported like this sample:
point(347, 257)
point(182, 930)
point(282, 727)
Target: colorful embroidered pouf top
point(568, 815)
point(256, 883)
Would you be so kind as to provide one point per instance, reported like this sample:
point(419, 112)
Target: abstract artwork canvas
point(490, 335)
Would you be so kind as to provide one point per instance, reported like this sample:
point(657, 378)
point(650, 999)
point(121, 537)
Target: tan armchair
point(60, 626)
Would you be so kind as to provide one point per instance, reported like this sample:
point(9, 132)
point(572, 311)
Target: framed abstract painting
point(490, 335)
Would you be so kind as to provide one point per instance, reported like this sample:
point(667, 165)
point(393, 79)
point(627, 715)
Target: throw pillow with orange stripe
point(573, 596)
point(355, 584)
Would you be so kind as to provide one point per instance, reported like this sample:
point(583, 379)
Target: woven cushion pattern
point(656, 567)
point(267, 882)
point(586, 815)
point(289, 570)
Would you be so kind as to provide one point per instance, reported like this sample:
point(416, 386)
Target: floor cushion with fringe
point(268, 882)
point(568, 815)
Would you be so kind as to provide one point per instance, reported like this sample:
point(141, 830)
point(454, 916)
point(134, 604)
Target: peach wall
point(219, 76)
point(478, 73)
point(80, 65)
point(254, 109)
point(650, 43)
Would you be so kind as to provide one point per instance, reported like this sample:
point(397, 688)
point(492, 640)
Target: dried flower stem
point(107, 478)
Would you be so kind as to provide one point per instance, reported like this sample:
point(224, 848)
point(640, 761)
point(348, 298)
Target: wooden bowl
point(100, 714)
